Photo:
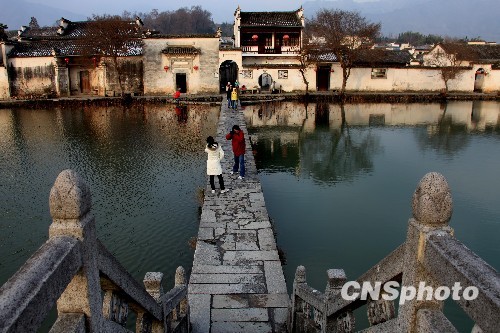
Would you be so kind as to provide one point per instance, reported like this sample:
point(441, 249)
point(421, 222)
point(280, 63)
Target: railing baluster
point(70, 207)
point(432, 209)
point(345, 322)
point(145, 324)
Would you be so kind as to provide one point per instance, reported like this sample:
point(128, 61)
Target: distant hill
point(19, 13)
point(454, 18)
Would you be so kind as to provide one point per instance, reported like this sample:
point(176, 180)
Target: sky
point(88, 7)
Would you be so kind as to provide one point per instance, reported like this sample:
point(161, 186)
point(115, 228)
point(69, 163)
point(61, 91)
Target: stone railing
point(93, 292)
point(431, 260)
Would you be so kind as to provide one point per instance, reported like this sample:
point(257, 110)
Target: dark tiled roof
point(180, 50)
point(39, 33)
point(152, 36)
point(75, 30)
point(382, 57)
point(481, 53)
point(270, 19)
point(63, 48)
point(279, 66)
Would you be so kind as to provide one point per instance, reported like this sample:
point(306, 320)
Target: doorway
point(479, 80)
point(265, 81)
point(181, 82)
point(85, 82)
point(323, 78)
point(228, 72)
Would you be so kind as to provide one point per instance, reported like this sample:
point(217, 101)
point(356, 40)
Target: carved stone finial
point(300, 274)
point(69, 197)
point(180, 276)
point(152, 282)
point(432, 203)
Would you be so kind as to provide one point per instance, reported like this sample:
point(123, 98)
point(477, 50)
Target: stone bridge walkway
point(237, 283)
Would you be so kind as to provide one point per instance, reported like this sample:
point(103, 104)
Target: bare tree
point(33, 23)
point(112, 37)
point(3, 35)
point(341, 33)
point(447, 62)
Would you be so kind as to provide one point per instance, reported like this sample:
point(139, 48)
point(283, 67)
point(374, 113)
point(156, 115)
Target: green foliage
point(416, 38)
point(194, 20)
point(227, 29)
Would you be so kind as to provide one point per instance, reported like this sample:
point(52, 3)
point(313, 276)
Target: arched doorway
point(265, 81)
point(479, 80)
point(228, 72)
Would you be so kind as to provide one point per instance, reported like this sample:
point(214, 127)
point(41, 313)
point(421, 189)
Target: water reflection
point(333, 142)
point(144, 167)
point(338, 180)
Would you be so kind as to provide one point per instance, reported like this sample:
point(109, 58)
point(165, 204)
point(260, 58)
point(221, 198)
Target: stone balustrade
point(430, 257)
point(74, 270)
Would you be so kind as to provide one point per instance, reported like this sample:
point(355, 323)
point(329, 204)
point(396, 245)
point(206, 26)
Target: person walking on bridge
point(215, 155)
point(238, 144)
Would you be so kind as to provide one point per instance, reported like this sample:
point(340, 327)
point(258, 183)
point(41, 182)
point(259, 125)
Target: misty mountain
point(19, 12)
point(454, 18)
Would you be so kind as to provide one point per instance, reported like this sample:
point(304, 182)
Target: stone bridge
point(237, 283)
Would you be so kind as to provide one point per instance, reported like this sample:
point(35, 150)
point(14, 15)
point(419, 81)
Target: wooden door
point(85, 82)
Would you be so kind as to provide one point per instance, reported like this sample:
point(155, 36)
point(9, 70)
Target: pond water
point(144, 167)
point(338, 183)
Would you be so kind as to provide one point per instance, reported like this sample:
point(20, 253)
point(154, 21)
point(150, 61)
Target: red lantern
point(165, 68)
point(66, 60)
point(195, 68)
point(255, 37)
point(285, 37)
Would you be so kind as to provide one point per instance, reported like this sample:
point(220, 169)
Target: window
point(283, 74)
point(247, 74)
point(379, 73)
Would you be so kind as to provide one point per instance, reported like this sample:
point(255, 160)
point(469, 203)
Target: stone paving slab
point(226, 288)
point(241, 327)
point(240, 314)
point(227, 278)
point(237, 282)
point(253, 301)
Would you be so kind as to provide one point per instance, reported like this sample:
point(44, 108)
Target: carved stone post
point(145, 324)
point(379, 311)
point(115, 307)
point(180, 280)
point(70, 205)
point(296, 318)
point(343, 323)
point(432, 209)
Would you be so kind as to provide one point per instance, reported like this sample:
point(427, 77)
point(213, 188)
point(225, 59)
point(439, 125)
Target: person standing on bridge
point(215, 155)
point(238, 144)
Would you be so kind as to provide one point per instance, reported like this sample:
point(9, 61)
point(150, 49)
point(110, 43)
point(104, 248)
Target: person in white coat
point(215, 155)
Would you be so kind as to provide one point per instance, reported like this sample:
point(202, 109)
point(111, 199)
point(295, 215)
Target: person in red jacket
point(177, 95)
point(238, 144)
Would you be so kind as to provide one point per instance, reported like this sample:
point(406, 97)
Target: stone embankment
point(237, 282)
point(333, 97)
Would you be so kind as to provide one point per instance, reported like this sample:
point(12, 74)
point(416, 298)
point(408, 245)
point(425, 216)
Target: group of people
point(216, 154)
point(233, 95)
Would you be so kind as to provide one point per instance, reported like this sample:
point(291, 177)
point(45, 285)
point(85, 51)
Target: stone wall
point(401, 80)
point(201, 69)
point(32, 77)
point(4, 84)
point(131, 74)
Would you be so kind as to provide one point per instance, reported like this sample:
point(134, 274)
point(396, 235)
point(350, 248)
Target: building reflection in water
point(143, 165)
point(333, 142)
